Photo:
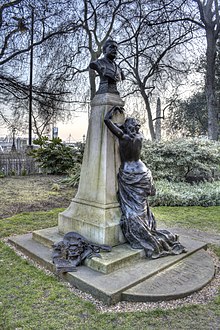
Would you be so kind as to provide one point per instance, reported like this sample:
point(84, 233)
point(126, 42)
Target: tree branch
point(7, 5)
point(49, 36)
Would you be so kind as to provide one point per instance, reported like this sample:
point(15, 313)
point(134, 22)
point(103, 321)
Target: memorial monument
point(95, 212)
point(95, 222)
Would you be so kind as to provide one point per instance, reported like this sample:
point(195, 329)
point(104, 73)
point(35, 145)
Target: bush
point(189, 159)
point(56, 157)
point(185, 194)
point(73, 176)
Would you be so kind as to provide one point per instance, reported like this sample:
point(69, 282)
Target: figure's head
point(131, 125)
point(110, 49)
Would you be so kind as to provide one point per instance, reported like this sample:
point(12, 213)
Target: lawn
point(30, 298)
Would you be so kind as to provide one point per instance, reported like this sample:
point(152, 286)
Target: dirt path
point(198, 234)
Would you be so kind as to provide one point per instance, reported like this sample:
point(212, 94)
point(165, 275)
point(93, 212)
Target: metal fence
point(18, 163)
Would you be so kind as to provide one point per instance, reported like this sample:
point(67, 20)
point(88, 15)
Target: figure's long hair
point(129, 121)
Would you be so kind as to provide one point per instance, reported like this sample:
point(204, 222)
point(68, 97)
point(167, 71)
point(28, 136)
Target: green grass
point(28, 221)
point(31, 299)
point(196, 217)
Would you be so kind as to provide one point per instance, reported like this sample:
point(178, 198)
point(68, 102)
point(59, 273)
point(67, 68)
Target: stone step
point(114, 287)
point(119, 257)
point(34, 250)
point(47, 236)
point(178, 281)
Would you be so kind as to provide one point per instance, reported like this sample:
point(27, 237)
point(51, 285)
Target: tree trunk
point(150, 120)
point(158, 120)
point(213, 126)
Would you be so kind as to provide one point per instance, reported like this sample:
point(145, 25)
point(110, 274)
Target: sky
point(71, 131)
point(75, 129)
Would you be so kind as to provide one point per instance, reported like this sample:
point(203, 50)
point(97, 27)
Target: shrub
point(2, 175)
point(73, 176)
point(56, 157)
point(185, 194)
point(189, 159)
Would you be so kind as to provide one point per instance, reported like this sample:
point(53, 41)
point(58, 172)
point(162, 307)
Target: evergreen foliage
point(188, 117)
point(185, 194)
point(56, 157)
point(180, 168)
point(189, 160)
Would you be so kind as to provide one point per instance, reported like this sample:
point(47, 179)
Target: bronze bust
point(109, 72)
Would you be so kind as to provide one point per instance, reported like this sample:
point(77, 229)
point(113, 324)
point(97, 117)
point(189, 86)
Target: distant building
point(6, 143)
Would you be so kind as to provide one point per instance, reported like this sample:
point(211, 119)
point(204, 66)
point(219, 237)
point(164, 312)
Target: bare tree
point(152, 50)
point(51, 22)
point(66, 38)
point(210, 22)
point(100, 21)
point(205, 15)
point(70, 34)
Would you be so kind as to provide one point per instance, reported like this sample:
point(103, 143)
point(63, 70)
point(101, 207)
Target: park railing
point(18, 163)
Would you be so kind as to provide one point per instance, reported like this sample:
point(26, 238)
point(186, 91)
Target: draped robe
point(137, 221)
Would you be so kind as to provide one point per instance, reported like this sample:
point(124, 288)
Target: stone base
point(119, 257)
point(98, 223)
point(124, 274)
point(94, 212)
point(183, 278)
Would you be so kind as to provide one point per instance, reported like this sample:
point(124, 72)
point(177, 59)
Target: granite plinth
point(138, 279)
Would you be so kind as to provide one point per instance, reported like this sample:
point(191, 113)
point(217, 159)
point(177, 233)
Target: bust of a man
point(109, 72)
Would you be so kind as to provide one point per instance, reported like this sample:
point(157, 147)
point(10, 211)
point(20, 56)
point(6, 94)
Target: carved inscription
point(184, 274)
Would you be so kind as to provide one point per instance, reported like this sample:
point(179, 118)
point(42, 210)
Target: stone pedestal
point(122, 274)
point(94, 212)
